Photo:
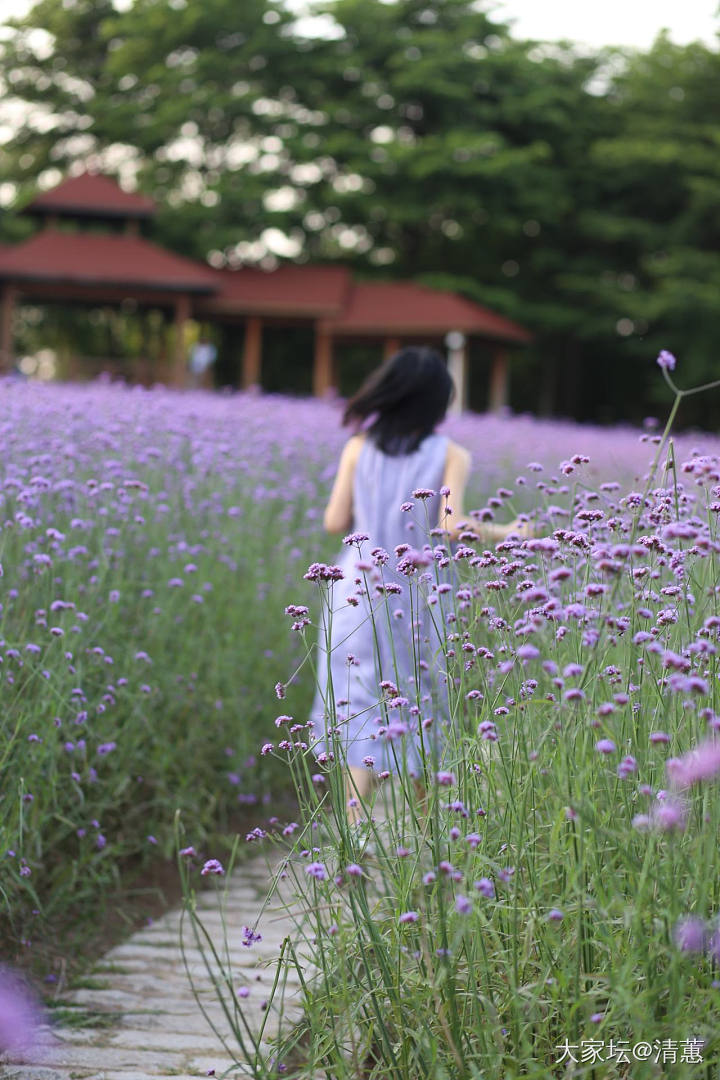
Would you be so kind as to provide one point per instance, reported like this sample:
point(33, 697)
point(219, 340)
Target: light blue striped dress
point(372, 722)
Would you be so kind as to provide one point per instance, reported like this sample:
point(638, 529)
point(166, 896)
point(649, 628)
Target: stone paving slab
point(154, 1026)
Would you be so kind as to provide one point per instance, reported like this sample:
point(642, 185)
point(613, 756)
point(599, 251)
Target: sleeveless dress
point(370, 720)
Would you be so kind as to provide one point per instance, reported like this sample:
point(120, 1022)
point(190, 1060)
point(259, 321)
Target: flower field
point(148, 544)
point(556, 880)
point(543, 898)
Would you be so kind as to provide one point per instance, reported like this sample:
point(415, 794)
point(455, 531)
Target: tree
point(453, 153)
point(574, 193)
point(164, 93)
point(659, 231)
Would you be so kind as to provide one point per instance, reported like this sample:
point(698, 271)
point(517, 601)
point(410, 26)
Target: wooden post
point(252, 353)
point(456, 343)
point(7, 310)
point(179, 363)
point(391, 345)
point(323, 376)
point(499, 381)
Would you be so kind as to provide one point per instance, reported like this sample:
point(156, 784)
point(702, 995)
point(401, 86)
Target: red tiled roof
point(402, 307)
point(91, 195)
point(93, 259)
point(290, 290)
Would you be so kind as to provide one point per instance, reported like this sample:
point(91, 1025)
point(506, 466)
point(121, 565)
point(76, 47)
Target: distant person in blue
point(202, 357)
point(397, 454)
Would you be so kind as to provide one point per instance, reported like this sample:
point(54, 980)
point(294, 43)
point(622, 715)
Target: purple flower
point(317, 870)
point(353, 870)
point(555, 915)
point(670, 815)
point(322, 572)
point(463, 905)
point(486, 888)
point(690, 934)
point(212, 866)
point(605, 746)
point(188, 852)
point(572, 670)
point(627, 767)
point(574, 694)
point(700, 764)
point(666, 360)
point(409, 917)
point(19, 1016)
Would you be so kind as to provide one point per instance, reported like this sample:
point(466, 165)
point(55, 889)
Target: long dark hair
point(406, 398)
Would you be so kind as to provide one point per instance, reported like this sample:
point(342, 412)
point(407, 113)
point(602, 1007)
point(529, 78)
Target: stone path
point(150, 1023)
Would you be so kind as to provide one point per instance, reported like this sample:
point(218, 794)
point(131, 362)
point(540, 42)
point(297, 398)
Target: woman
point(397, 481)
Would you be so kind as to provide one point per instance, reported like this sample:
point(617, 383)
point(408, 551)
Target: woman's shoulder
point(352, 447)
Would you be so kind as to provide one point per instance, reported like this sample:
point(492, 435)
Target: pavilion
point(90, 250)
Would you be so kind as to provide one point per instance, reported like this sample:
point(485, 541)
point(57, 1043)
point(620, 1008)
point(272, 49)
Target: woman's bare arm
point(339, 510)
point(455, 477)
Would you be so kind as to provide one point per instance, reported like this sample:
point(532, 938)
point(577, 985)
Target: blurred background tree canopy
point(577, 193)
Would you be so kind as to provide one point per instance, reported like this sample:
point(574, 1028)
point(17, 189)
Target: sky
point(612, 22)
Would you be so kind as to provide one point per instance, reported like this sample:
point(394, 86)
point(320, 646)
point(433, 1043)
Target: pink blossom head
point(19, 1017)
point(699, 764)
point(690, 934)
point(670, 815)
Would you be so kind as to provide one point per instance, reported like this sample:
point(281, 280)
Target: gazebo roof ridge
point(91, 195)
point(94, 259)
point(310, 289)
point(410, 308)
